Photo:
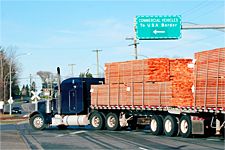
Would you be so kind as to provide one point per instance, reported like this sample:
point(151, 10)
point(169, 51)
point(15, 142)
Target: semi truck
point(81, 102)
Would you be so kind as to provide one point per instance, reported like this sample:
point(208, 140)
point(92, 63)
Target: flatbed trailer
point(83, 101)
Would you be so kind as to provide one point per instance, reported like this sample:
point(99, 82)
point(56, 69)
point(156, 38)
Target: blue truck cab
point(73, 101)
point(75, 95)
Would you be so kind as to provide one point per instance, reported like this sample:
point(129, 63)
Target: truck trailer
point(173, 96)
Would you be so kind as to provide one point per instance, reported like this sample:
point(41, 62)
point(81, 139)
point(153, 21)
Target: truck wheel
point(185, 126)
point(133, 123)
point(37, 122)
point(223, 132)
point(170, 126)
point(156, 125)
point(141, 126)
point(97, 121)
point(112, 122)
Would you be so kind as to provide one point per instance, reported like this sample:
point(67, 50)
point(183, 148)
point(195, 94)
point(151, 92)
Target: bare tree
point(7, 57)
point(48, 82)
point(45, 75)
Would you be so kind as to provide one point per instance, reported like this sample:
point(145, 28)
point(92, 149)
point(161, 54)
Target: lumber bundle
point(154, 94)
point(156, 69)
point(210, 78)
point(152, 82)
point(182, 82)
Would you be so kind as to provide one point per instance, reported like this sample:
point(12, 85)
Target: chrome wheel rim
point(153, 125)
point(111, 121)
point(38, 122)
point(95, 121)
point(184, 126)
point(168, 126)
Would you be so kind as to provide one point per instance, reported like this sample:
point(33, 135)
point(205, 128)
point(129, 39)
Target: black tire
point(170, 126)
point(156, 125)
point(223, 132)
point(37, 122)
point(185, 126)
point(112, 122)
point(97, 121)
point(133, 123)
point(141, 126)
point(62, 127)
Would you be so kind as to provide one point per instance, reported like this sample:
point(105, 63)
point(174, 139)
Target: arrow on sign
point(158, 31)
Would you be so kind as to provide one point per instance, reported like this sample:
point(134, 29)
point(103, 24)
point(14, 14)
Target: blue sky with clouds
point(58, 32)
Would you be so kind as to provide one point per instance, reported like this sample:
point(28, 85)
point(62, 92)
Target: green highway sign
point(158, 27)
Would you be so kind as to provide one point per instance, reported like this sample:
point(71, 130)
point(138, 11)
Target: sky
point(61, 32)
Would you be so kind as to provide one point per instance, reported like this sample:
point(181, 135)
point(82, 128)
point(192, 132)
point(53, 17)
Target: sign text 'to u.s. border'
point(158, 27)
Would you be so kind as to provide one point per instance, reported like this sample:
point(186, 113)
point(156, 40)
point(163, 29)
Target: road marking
point(142, 148)
point(72, 133)
point(77, 132)
point(60, 135)
point(213, 139)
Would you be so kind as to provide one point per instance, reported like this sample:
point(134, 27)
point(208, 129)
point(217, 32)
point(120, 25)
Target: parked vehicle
point(169, 104)
point(16, 110)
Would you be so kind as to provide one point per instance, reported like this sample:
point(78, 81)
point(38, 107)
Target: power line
point(199, 5)
point(208, 11)
point(191, 42)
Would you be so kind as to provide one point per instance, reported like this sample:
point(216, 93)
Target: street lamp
point(10, 101)
point(4, 86)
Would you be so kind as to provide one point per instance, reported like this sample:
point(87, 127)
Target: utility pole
point(72, 67)
point(2, 75)
point(97, 52)
point(30, 84)
point(135, 41)
point(10, 87)
point(1, 65)
point(135, 46)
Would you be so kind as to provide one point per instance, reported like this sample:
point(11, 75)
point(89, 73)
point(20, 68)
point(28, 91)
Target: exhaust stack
point(59, 108)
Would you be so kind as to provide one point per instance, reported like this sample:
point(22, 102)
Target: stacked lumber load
point(182, 81)
point(152, 82)
point(154, 94)
point(155, 69)
point(210, 78)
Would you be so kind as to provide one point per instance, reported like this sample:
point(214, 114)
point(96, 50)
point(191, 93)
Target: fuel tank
point(77, 120)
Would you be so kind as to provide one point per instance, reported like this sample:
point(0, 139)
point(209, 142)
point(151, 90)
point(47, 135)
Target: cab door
point(76, 99)
point(72, 100)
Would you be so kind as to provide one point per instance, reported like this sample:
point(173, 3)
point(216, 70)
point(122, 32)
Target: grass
point(10, 119)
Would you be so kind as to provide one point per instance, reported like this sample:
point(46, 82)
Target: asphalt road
point(86, 138)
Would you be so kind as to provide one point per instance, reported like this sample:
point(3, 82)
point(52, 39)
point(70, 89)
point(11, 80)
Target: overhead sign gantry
point(158, 27)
